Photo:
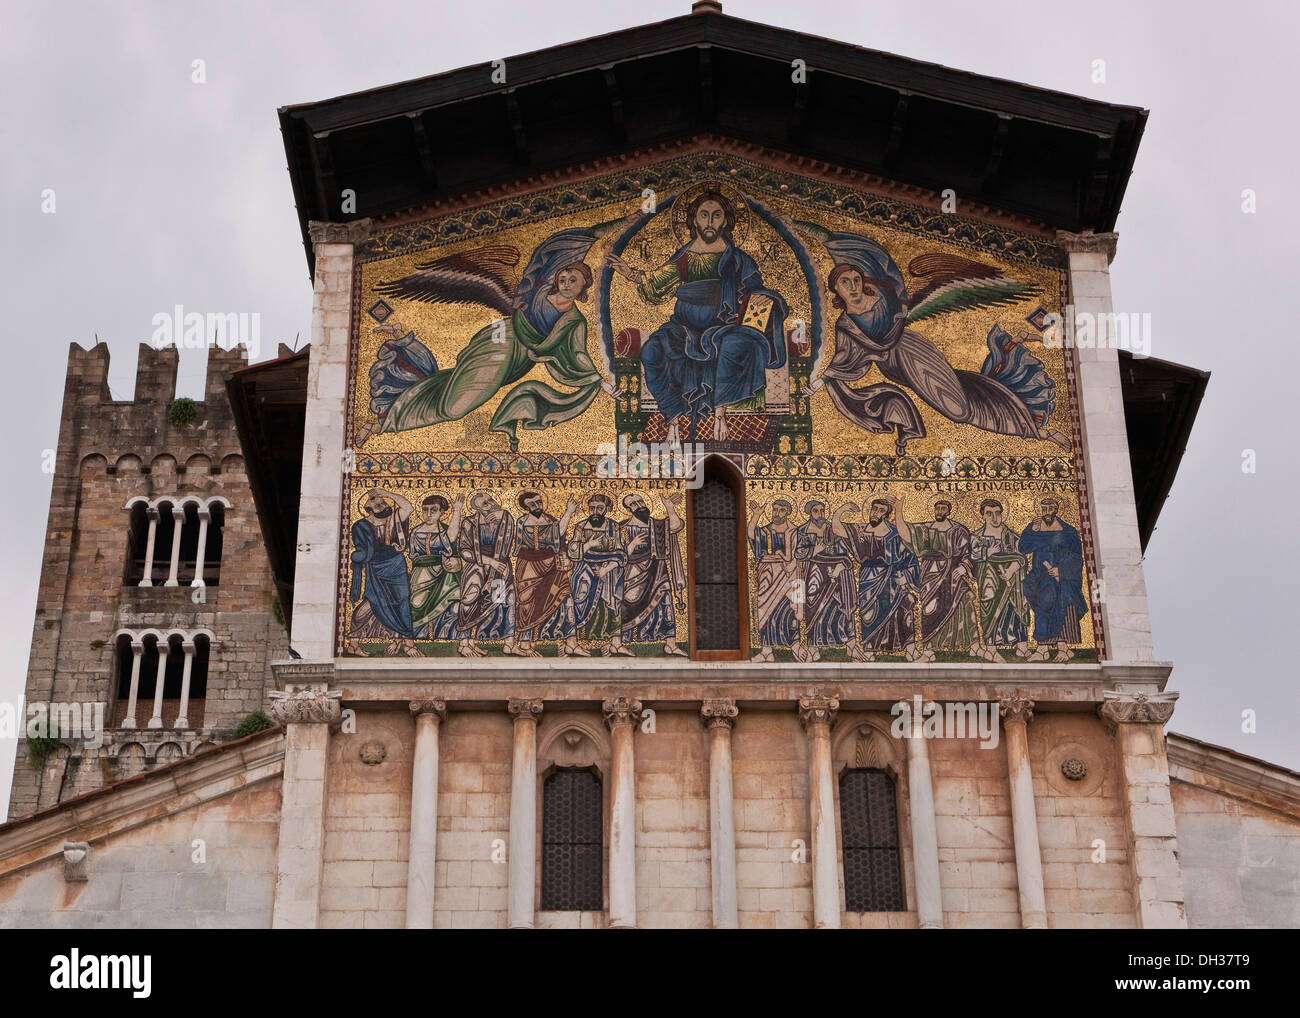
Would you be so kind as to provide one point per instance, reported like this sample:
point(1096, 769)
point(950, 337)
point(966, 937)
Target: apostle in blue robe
point(887, 571)
point(1054, 585)
point(380, 589)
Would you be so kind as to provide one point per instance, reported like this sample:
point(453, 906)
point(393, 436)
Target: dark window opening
point(137, 541)
point(717, 563)
point(572, 842)
point(873, 880)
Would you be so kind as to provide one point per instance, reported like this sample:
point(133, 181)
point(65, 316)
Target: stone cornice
point(351, 232)
point(1089, 243)
point(1221, 770)
point(146, 798)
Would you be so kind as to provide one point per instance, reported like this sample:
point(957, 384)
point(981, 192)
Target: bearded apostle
point(653, 577)
point(777, 576)
point(887, 572)
point(1054, 586)
point(487, 590)
point(435, 570)
point(380, 587)
point(999, 573)
point(948, 609)
point(597, 550)
point(830, 606)
point(543, 605)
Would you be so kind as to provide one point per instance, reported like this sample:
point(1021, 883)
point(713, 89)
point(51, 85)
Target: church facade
point(698, 506)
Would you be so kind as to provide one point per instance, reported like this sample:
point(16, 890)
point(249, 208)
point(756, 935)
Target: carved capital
point(621, 710)
point(434, 706)
point(719, 713)
point(818, 710)
point(1016, 708)
point(1089, 243)
point(351, 232)
point(315, 704)
point(525, 708)
point(1137, 708)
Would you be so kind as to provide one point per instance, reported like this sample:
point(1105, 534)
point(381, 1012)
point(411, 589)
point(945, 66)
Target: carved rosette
point(1137, 708)
point(818, 710)
point(438, 708)
point(719, 714)
point(525, 708)
point(1089, 243)
point(316, 705)
point(1016, 708)
point(621, 710)
point(352, 232)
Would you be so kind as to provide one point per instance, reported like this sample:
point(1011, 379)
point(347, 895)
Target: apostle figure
point(830, 604)
point(726, 330)
point(887, 571)
point(380, 587)
point(653, 578)
point(435, 570)
point(778, 577)
point(597, 549)
point(949, 614)
point(543, 600)
point(999, 575)
point(487, 590)
point(1054, 585)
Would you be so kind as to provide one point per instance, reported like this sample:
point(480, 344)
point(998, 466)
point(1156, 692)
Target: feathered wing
point(953, 283)
point(853, 249)
point(480, 276)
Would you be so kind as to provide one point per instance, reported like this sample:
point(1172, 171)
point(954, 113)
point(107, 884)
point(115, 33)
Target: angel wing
point(953, 283)
point(854, 249)
point(471, 277)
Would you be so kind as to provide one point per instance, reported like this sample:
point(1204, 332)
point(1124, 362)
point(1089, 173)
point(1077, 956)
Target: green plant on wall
point(277, 609)
point(43, 741)
point(255, 722)
point(182, 412)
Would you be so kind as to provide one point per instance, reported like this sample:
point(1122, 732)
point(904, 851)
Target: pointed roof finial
point(706, 7)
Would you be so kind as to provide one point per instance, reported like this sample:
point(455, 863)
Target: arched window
point(137, 541)
point(179, 663)
point(873, 880)
point(716, 535)
point(572, 841)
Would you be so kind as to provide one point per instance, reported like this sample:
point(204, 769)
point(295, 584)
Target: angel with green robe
point(540, 324)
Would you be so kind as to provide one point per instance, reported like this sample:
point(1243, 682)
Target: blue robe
point(888, 569)
point(1051, 599)
point(702, 358)
point(382, 568)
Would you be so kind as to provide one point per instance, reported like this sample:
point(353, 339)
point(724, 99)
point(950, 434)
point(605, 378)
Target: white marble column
point(160, 680)
point(817, 713)
point(307, 716)
point(205, 517)
point(1016, 712)
point(183, 718)
point(622, 715)
point(178, 525)
point(137, 652)
point(522, 899)
point(925, 834)
point(424, 814)
point(719, 716)
point(1138, 719)
point(147, 579)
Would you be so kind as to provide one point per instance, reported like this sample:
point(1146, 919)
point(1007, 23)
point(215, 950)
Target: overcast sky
point(170, 192)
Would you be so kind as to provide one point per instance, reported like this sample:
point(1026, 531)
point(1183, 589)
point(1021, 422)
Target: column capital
point(315, 704)
point(431, 705)
point(621, 710)
point(719, 714)
point(818, 710)
point(1016, 708)
point(525, 708)
point(1089, 242)
point(352, 232)
point(152, 513)
point(1137, 708)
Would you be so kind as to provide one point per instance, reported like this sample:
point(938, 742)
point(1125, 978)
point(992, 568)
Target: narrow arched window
point(137, 541)
point(873, 879)
point(572, 842)
point(719, 629)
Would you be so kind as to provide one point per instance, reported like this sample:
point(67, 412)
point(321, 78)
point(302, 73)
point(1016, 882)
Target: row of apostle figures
point(604, 581)
point(885, 585)
point(882, 585)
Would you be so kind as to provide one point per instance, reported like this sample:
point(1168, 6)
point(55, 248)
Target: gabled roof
point(1058, 159)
